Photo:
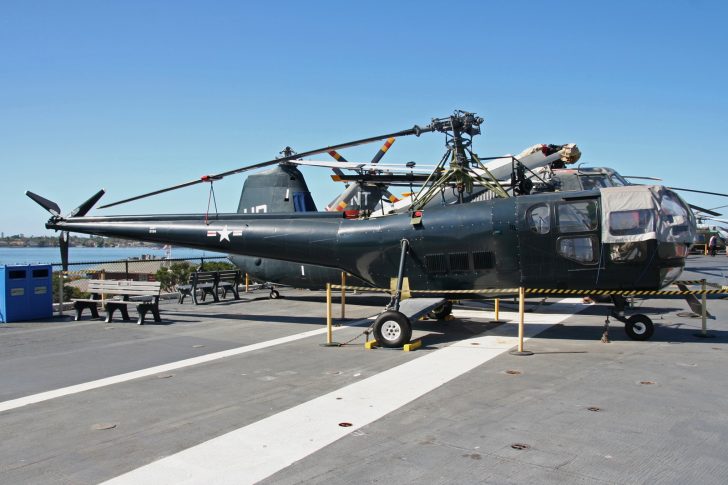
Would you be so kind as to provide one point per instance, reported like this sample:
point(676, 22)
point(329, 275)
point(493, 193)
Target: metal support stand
point(60, 293)
point(397, 297)
point(343, 295)
point(704, 312)
point(521, 312)
point(329, 326)
point(496, 309)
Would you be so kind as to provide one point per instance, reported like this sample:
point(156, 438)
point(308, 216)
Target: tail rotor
point(55, 212)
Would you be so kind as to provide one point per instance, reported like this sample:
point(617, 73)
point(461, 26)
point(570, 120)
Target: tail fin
point(280, 189)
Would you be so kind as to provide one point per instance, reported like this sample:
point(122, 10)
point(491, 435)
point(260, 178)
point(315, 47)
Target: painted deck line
point(256, 451)
point(108, 381)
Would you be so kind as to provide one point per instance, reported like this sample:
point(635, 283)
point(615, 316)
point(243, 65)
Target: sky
point(133, 96)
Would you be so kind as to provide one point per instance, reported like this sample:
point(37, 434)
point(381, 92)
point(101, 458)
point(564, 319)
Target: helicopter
point(616, 238)
point(283, 189)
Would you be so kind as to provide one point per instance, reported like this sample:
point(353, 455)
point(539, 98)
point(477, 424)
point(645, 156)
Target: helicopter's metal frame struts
point(460, 172)
point(397, 296)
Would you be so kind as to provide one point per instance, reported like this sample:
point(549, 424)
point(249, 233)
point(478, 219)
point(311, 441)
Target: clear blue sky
point(133, 96)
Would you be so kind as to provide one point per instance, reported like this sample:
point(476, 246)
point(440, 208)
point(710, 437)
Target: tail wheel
point(392, 329)
point(440, 312)
point(274, 295)
point(639, 327)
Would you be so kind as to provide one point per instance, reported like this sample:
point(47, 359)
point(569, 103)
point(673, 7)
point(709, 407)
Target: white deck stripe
point(256, 451)
point(107, 381)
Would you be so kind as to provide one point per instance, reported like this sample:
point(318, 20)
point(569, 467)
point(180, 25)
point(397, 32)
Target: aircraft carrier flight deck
point(244, 392)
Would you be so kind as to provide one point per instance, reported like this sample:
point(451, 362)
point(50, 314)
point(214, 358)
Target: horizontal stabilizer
point(83, 209)
point(48, 205)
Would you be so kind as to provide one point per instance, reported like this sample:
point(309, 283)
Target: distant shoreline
point(82, 254)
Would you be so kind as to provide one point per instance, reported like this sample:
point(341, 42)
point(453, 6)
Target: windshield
point(618, 181)
point(627, 223)
point(591, 182)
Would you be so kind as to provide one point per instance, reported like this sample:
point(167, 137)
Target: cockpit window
point(672, 207)
point(539, 220)
point(580, 248)
point(617, 180)
point(630, 223)
point(592, 182)
point(577, 216)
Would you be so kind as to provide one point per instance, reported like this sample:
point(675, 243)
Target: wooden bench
point(229, 280)
point(145, 294)
point(204, 281)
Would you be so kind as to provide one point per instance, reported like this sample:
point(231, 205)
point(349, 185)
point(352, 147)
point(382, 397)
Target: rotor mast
point(459, 130)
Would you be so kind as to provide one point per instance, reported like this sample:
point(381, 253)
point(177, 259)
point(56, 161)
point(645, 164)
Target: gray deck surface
point(662, 417)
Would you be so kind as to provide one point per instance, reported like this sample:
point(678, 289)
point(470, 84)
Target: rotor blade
point(699, 191)
point(63, 245)
point(389, 196)
point(641, 178)
point(723, 221)
point(338, 156)
point(416, 130)
point(382, 151)
point(705, 211)
point(332, 165)
point(83, 209)
point(719, 207)
point(48, 205)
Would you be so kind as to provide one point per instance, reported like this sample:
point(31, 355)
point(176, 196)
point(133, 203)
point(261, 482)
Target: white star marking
point(224, 234)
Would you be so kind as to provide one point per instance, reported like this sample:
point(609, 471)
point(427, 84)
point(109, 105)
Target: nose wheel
point(639, 327)
point(392, 329)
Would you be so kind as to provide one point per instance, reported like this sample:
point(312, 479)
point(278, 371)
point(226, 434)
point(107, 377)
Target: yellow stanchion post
point(521, 317)
point(329, 323)
point(496, 309)
point(343, 295)
point(328, 314)
point(60, 293)
point(247, 283)
point(704, 312)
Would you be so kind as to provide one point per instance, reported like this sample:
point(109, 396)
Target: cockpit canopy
point(642, 212)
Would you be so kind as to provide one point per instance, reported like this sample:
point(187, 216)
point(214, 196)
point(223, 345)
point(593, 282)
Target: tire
point(639, 327)
point(440, 312)
point(274, 295)
point(392, 329)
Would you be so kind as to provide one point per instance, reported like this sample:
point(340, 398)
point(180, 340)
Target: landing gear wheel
point(639, 327)
point(274, 295)
point(440, 312)
point(392, 329)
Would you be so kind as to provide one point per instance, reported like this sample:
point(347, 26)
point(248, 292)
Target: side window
point(579, 248)
point(539, 219)
point(578, 216)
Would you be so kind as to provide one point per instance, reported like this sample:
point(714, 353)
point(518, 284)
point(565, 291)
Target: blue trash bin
point(26, 292)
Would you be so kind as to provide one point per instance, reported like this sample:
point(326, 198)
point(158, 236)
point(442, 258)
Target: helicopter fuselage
point(548, 240)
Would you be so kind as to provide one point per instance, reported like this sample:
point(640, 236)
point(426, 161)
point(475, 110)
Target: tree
point(69, 291)
point(216, 266)
point(177, 273)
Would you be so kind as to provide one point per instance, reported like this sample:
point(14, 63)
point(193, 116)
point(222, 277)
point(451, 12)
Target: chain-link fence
point(169, 272)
